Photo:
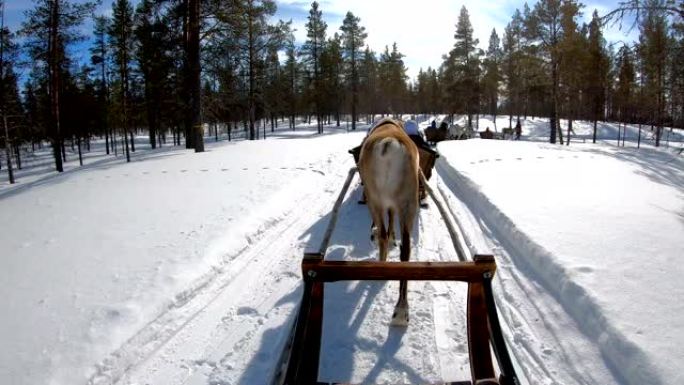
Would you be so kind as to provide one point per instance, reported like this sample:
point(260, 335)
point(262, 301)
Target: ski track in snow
point(256, 290)
point(232, 325)
point(359, 345)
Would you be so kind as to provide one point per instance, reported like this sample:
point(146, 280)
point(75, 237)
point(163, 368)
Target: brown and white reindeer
point(389, 169)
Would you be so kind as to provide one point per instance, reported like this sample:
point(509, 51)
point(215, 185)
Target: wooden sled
point(300, 361)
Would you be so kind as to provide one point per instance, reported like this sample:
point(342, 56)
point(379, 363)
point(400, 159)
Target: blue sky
point(423, 30)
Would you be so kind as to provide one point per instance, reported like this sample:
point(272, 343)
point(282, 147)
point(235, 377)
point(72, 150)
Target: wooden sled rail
point(483, 328)
point(319, 270)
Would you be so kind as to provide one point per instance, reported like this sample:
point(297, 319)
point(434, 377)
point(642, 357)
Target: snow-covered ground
point(183, 268)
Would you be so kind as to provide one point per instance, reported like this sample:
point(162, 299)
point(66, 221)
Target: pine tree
point(155, 65)
point(121, 40)
point(11, 109)
point(353, 36)
point(100, 59)
point(654, 51)
point(49, 28)
point(624, 93)
point(192, 71)
point(312, 51)
point(291, 78)
point(543, 25)
point(492, 75)
point(255, 37)
point(273, 89)
point(596, 71)
point(463, 65)
point(572, 58)
point(392, 81)
point(368, 84)
point(331, 69)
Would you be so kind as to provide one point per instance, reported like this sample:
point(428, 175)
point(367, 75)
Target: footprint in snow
point(246, 310)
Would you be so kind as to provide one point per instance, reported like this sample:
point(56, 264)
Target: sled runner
point(300, 362)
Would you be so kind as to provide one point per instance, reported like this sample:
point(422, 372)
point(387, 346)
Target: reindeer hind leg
point(390, 221)
point(401, 310)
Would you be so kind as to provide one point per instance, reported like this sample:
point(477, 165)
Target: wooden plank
point(313, 336)
point(302, 367)
point(507, 376)
point(331, 271)
point(481, 367)
point(299, 348)
point(439, 383)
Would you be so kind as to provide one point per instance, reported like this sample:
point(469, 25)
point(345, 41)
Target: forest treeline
point(184, 69)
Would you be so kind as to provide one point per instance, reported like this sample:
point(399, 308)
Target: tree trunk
point(17, 154)
point(195, 71)
point(114, 146)
point(618, 135)
point(53, 86)
point(125, 140)
point(8, 151)
point(152, 133)
point(554, 101)
point(80, 154)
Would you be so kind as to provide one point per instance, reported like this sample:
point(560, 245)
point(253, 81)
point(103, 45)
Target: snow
point(183, 268)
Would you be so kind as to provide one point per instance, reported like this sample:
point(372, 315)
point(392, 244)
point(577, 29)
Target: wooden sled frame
point(300, 366)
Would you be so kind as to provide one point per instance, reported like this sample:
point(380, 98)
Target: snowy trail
point(359, 345)
point(234, 306)
point(232, 324)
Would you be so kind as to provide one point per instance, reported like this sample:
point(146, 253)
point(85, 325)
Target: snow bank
point(97, 253)
point(599, 228)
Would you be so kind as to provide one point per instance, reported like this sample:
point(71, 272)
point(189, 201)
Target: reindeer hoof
point(400, 318)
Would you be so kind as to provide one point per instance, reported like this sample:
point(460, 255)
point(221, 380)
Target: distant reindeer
point(389, 169)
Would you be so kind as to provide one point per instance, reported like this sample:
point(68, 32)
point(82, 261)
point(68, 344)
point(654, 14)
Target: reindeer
point(388, 165)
